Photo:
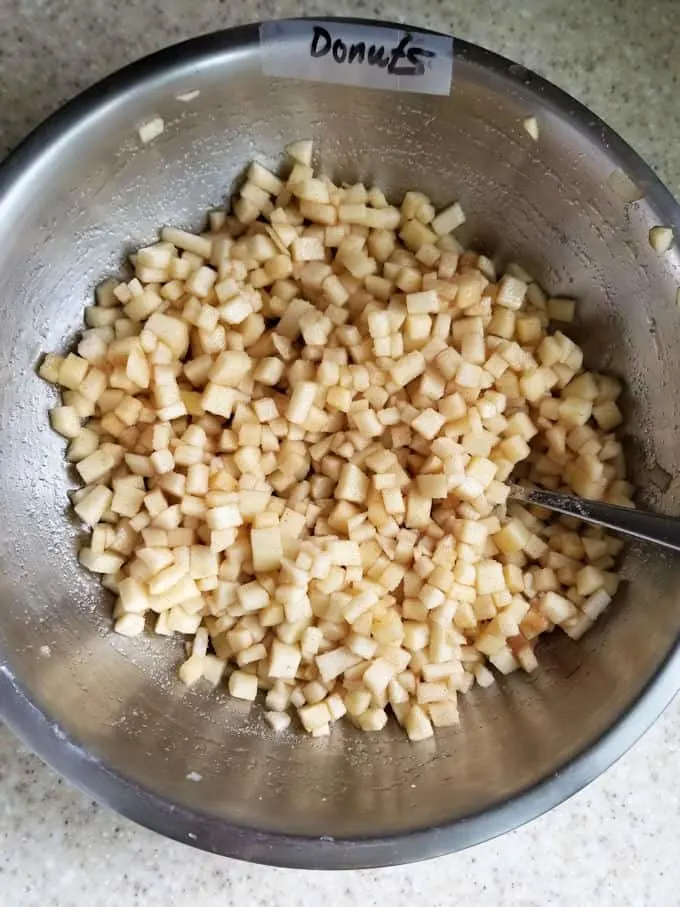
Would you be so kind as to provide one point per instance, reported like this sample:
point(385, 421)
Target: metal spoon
point(649, 527)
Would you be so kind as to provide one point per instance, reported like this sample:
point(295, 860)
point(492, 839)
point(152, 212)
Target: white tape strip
point(365, 56)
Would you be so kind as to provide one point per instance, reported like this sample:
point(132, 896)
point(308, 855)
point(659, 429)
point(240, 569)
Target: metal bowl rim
point(204, 831)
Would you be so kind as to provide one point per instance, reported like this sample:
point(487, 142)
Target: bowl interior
point(85, 193)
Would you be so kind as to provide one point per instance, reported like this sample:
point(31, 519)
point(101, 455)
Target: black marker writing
point(401, 60)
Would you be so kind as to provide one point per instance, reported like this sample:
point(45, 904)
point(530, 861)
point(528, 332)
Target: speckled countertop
point(57, 846)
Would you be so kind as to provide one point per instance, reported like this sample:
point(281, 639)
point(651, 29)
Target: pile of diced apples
point(295, 432)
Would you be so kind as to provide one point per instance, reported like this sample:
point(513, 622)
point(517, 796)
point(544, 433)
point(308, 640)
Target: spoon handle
point(640, 524)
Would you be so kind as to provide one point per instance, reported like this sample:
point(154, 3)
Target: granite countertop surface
point(615, 843)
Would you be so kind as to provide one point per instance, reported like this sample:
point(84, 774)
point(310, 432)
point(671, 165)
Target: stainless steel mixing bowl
point(106, 711)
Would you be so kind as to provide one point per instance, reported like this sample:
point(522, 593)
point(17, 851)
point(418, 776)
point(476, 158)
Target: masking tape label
point(364, 56)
